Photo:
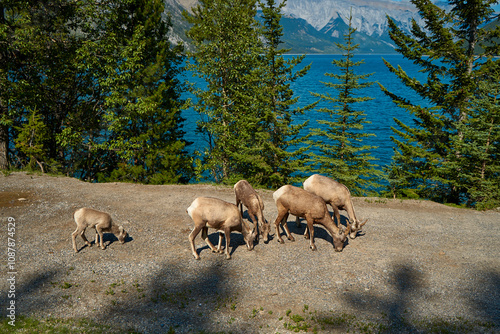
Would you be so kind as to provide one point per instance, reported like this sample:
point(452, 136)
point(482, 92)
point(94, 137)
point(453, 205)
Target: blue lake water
point(380, 111)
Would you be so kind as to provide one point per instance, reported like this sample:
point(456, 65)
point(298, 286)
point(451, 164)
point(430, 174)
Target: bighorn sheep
point(246, 195)
point(298, 202)
point(222, 216)
point(338, 196)
point(100, 221)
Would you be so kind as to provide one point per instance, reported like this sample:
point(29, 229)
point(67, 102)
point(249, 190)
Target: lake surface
point(380, 112)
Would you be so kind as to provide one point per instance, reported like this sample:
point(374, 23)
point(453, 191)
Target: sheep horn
point(363, 223)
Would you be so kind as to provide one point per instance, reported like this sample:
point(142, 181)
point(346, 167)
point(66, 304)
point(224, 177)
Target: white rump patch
point(192, 207)
point(277, 194)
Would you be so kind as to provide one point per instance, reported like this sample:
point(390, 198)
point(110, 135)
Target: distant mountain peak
point(369, 17)
point(315, 26)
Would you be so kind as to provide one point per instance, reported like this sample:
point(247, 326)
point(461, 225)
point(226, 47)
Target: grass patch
point(58, 326)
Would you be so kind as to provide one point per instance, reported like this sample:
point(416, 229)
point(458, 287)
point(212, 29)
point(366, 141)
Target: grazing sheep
point(300, 203)
point(246, 195)
point(221, 215)
point(101, 221)
point(338, 196)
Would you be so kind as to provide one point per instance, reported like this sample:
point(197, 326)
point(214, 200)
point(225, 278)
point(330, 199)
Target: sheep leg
point(285, 227)
point(336, 212)
point(306, 233)
point(192, 236)
point(282, 216)
point(310, 227)
point(255, 221)
point(297, 221)
point(81, 232)
point(219, 246)
point(227, 234)
point(264, 227)
point(99, 231)
point(204, 236)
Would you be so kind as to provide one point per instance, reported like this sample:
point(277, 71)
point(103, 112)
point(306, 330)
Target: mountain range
point(315, 26)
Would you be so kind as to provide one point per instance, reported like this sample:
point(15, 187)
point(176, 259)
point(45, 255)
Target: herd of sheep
point(308, 203)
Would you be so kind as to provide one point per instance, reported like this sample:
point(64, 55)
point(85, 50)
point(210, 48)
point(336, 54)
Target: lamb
point(100, 221)
point(222, 216)
point(246, 195)
point(338, 196)
point(298, 202)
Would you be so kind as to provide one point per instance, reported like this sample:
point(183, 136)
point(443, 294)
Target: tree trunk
point(4, 147)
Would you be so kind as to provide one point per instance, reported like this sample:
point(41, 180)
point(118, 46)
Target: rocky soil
point(416, 264)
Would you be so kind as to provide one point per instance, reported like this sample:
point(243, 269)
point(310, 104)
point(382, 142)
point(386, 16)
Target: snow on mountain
point(368, 17)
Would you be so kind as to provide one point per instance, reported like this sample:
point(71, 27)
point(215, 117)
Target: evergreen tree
point(338, 149)
point(480, 144)
point(452, 50)
point(38, 72)
point(280, 155)
point(103, 83)
point(142, 109)
point(225, 34)
point(30, 141)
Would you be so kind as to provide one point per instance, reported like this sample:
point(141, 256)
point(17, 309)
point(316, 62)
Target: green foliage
point(31, 141)
point(449, 154)
point(338, 149)
point(103, 82)
point(226, 57)
point(246, 106)
point(480, 146)
point(280, 154)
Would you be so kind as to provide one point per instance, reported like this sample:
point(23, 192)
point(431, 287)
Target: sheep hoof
point(281, 241)
point(313, 247)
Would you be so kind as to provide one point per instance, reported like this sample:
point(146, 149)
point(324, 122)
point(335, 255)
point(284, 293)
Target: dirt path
point(416, 264)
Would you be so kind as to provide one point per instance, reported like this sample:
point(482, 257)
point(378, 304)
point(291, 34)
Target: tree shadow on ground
point(24, 290)
point(179, 299)
point(397, 313)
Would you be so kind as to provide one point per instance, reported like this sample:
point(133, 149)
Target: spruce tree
point(453, 50)
point(480, 144)
point(103, 84)
point(225, 34)
point(280, 153)
point(338, 148)
point(38, 71)
point(143, 103)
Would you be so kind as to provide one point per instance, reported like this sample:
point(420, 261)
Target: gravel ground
point(416, 264)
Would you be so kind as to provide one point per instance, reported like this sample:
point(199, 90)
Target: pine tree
point(280, 156)
point(103, 83)
point(452, 50)
point(143, 107)
point(38, 70)
point(338, 150)
point(31, 141)
point(225, 34)
point(480, 144)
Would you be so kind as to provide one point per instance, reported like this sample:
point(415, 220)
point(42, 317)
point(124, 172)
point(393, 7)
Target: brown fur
point(246, 195)
point(223, 216)
point(98, 220)
point(337, 195)
point(300, 203)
